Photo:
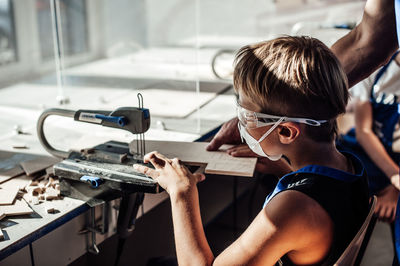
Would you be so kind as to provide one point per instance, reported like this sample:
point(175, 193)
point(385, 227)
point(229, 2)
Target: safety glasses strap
point(270, 130)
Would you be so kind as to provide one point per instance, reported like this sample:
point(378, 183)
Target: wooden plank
point(10, 173)
point(195, 153)
point(8, 195)
point(31, 167)
point(20, 207)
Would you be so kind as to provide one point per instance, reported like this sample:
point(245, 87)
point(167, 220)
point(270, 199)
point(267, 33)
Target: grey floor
point(380, 248)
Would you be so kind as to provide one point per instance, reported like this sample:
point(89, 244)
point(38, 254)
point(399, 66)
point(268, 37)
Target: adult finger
point(216, 142)
point(146, 170)
point(228, 134)
point(242, 152)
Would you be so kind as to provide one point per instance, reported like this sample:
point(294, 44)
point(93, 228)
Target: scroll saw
point(104, 172)
point(109, 164)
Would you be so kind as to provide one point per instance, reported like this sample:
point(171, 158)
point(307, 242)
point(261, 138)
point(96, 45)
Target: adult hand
point(171, 175)
point(241, 150)
point(228, 134)
point(264, 165)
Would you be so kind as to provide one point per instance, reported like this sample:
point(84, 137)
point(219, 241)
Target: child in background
point(376, 134)
point(290, 92)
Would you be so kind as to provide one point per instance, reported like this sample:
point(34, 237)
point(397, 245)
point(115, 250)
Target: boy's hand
point(171, 175)
point(228, 134)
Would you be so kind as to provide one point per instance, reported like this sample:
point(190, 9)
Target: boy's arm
point(191, 244)
point(290, 222)
point(369, 45)
point(280, 228)
point(371, 143)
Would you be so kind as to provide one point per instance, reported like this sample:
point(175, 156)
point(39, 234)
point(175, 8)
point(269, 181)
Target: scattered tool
point(105, 172)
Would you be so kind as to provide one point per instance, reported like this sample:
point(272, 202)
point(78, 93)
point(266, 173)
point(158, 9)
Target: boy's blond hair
point(296, 77)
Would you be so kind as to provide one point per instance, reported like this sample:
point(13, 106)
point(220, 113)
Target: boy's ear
point(288, 132)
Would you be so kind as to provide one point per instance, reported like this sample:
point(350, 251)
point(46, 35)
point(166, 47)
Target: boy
point(291, 89)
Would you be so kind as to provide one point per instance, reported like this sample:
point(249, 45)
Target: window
point(73, 33)
point(8, 50)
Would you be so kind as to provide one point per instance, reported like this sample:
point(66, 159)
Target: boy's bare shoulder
point(296, 213)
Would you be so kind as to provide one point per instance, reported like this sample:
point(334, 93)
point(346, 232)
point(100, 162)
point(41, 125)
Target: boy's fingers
point(199, 177)
point(145, 170)
point(176, 161)
point(157, 159)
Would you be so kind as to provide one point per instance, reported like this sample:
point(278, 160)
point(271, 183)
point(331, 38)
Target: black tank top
point(347, 203)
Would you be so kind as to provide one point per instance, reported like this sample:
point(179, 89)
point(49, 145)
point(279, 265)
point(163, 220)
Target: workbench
point(25, 236)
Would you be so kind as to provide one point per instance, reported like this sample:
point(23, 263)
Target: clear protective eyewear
point(250, 119)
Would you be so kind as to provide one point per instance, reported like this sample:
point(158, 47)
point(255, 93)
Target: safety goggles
point(250, 119)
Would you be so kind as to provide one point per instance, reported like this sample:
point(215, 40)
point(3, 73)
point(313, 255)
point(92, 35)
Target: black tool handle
point(128, 210)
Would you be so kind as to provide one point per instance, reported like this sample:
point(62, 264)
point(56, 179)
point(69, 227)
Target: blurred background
point(99, 54)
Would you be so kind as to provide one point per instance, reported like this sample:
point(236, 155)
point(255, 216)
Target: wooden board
point(8, 195)
point(10, 173)
point(20, 207)
point(31, 167)
point(195, 153)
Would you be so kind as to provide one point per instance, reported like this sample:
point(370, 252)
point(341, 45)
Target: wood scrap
point(2, 215)
point(31, 167)
point(195, 153)
point(20, 181)
point(47, 189)
point(1, 235)
point(7, 196)
point(51, 210)
point(10, 173)
point(20, 207)
point(51, 194)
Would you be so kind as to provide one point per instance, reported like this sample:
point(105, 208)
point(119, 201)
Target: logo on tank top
point(298, 183)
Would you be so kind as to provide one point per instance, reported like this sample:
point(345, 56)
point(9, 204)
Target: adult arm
point(369, 45)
